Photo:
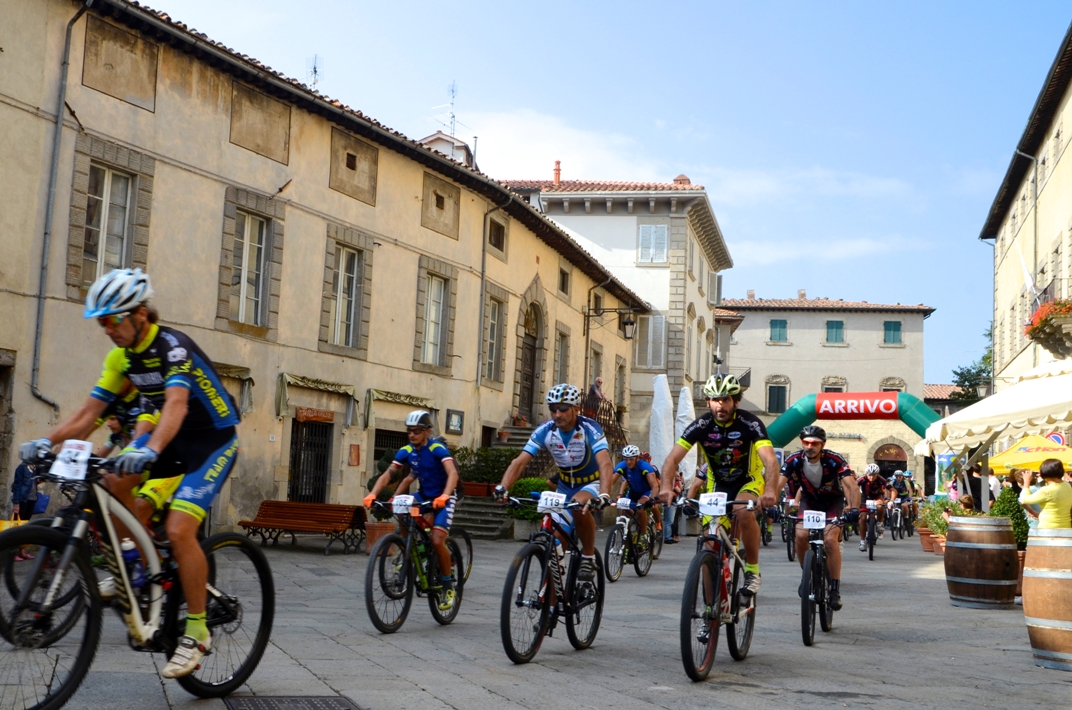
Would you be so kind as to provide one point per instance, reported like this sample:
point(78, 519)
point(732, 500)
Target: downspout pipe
point(61, 100)
point(1034, 260)
point(588, 330)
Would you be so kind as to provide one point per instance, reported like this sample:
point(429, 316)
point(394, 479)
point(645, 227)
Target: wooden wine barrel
point(1048, 597)
point(980, 562)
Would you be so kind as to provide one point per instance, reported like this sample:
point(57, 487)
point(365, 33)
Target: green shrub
point(1008, 506)
point(483, 465)
point(931, 514)
point(388, 490)
point(522, 489)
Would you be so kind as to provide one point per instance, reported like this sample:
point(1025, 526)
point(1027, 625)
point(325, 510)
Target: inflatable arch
point(851, 405)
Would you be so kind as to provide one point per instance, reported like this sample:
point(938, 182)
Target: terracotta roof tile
point(818, 304)
point(725, 313)
point(939, 391)
point(599, 186)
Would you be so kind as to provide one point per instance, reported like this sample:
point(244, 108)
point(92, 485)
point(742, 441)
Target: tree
point(980, 372)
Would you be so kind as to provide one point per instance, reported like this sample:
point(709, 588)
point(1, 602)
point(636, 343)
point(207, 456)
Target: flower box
point(1051, 327)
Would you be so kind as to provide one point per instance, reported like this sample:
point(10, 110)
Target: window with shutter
point(651, 342)
point(652, 244)
point(779, 331)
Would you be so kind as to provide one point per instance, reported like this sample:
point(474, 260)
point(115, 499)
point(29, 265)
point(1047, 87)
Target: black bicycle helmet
point(813, 432)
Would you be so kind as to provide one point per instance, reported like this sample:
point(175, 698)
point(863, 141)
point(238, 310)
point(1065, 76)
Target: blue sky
point(851, 149)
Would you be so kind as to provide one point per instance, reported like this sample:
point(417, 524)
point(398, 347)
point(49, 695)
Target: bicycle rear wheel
point(40, 667)
point(388, 584)
point(435, 594)
point(585, 605)
point(826, 612)
point(791, 543)
point(700, 620)
point(240, 613)
point(872, 533)
point(465, 544)
point(807, 602)
point(614, 553)
point(743, 609)
point(526, 605)
point(655, 536)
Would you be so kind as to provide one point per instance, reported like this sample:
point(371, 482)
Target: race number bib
point(624, 504)
point(72, 460)
point(871, 505)
point(401, 504)
point(814, 520)
point(551, 502)
point(713, 503)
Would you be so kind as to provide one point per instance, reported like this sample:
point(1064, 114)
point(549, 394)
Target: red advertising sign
point(856, 405)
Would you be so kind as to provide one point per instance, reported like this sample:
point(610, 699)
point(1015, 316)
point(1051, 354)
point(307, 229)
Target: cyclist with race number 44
point(825, 482)
point(740, 459)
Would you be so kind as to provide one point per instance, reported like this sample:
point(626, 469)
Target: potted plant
point(1051, 327)
point(504, 436)
point(520, 419)
point(525, 517)
point(384, 523)
point(482, 469)
point(1008, 506)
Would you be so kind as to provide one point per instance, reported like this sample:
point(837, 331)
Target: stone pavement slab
point(898, 643)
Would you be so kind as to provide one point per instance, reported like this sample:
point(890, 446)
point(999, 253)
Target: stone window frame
point(500, 294)
point(561, 369)
point(274, 212)
point(504, 222)
point(621, 365)
point(892, 383)
point(779, 381)
point(359, 241)
point(142, 170)
point(834, 381)
point(564, 266)
point(594, 347)
point(432, 188)
point(427, 266)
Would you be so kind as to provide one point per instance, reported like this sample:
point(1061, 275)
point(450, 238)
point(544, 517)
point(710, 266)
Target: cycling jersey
point(729, 449)
point(833, 467)
point(573, 452)
point(169, 358)
point(426, 465)
point(636, 478)
point(901, 489)
point(872, 490)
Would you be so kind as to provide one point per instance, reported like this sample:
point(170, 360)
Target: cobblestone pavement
point(897, 644)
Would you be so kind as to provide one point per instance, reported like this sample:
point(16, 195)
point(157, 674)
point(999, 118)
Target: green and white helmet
point(721, 384)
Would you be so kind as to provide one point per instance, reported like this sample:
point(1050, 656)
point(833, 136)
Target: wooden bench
point(345, 523)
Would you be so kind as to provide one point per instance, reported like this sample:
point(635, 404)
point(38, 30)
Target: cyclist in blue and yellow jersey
point(432, 466)
point(741, 462)
point(579, 449)
point(641, 481)
point(195, 437)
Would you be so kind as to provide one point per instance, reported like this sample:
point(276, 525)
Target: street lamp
point(628, 323)
point(982, 389)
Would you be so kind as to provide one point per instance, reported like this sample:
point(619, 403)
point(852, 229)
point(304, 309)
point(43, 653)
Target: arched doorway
point(890, 458)
point(529, 341)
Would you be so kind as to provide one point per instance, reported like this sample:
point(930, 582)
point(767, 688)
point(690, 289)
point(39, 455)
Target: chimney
point(802, 294)
point(558, 171)
point(682, 179)
point(751, 295)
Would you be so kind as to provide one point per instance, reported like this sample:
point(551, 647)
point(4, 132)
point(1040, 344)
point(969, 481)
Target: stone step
point(483, 518)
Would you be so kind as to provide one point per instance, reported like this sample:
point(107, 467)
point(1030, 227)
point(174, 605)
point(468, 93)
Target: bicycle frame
point(545, 535)
point(716, 532)
point(415, 523)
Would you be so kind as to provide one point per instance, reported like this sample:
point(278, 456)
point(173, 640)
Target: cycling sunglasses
point(559, 407)
point(416, 430)
point(113, 320)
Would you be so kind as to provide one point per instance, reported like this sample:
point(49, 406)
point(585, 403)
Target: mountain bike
point(910, 517)
point(712, 595)
point(542, 587)
point(623, 544)
point(789, 533)
point(401, 565)
point(815, 576)
point(896, 520)
point(869, 521)
point(51, 611)
point(766, 525)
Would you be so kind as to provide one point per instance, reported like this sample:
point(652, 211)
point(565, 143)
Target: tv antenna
point(452, 118)
point(314, 71)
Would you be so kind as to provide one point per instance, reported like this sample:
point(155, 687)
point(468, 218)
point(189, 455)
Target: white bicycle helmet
point(871, 470)
point(721, 384)
point(898, 474)
point(630, 451)
point(419, 417)
point(118, 291)
point(564, 394)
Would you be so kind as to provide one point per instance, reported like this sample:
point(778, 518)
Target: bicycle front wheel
point(743, 609)
point(791, 543)
point(641, 549)
point(615, 553)
point(807, 599)
point(45, 652)
point(700, 619)
point(465, 544)
point(239, 615)
point(656, 537)
point(585, 605)
point(526, 604)
point(388, 584)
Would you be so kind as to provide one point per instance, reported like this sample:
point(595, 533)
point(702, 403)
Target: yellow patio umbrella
point(1030, 452)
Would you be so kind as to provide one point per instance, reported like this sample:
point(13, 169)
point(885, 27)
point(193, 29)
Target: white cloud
point(525, 144)
point(737, 187)
point(765, 253)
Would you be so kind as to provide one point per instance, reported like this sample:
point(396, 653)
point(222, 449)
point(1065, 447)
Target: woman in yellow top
point(1055, 497)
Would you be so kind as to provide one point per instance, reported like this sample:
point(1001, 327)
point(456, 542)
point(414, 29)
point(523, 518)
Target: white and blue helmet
point(564, 394)
point(118, 291)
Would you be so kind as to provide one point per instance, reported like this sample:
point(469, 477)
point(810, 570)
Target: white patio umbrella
point(661, 431)
point(686, 414)
point(1039, 402)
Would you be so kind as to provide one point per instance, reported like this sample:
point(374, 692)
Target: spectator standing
point(1055, 496)
point(23, 498)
